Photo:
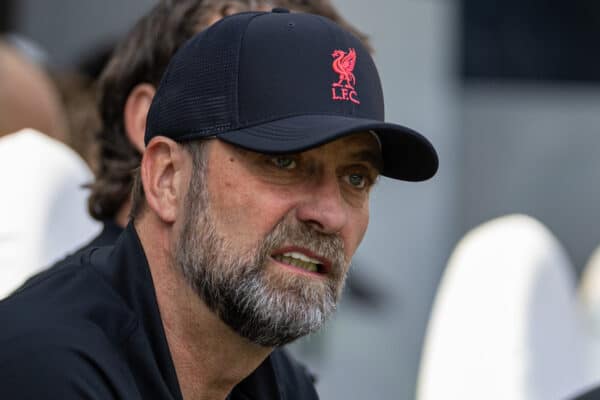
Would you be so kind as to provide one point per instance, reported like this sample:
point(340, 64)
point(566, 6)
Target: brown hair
point(142, 57)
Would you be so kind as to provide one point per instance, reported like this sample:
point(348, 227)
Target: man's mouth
point(302, 261)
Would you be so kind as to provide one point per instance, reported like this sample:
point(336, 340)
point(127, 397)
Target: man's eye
point(357, 180)
point(283, 162)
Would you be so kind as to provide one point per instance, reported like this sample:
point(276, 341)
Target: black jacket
point(108, 237)
point(90, 328)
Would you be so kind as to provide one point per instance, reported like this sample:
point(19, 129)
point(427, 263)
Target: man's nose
point(323, 207)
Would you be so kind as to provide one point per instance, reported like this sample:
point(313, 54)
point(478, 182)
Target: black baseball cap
point(280, 82)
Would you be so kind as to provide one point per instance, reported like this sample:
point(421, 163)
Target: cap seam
point(226, 128)
point(202, 133)
point(248, 124)
point(238, 123)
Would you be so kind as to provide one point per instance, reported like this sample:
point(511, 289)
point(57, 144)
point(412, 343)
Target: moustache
point(288, 232)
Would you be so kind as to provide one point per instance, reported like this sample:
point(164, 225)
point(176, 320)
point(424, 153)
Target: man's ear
point(135, 113)
point(164, 177)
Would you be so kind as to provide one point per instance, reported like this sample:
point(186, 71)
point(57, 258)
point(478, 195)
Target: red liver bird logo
point(343, 65)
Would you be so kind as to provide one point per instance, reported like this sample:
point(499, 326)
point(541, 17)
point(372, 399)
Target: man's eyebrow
point(370, 156)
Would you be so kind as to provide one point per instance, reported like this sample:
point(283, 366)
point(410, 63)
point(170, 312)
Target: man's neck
point(209, 357)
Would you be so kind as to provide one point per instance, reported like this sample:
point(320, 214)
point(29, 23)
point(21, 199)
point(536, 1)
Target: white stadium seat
point(505, 323)
point(43, 214)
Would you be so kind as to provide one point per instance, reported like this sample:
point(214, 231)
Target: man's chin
point(275, 316)
point(270, 339)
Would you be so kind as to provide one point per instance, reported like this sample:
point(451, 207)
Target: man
point(129, 82)
point(262, 143)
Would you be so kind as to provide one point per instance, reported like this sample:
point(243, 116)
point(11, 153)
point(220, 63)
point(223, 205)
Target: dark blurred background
point(533, 40)
point(6, 16)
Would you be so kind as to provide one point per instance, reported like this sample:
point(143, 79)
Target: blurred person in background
point(28, 98)
point(78, 91)
point(42, 207)
point(242, 227)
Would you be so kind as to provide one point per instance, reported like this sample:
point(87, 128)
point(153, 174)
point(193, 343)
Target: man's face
point(267, 240)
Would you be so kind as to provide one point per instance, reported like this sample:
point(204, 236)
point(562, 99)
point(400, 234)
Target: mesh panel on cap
point(200, 105)
point(198, 92)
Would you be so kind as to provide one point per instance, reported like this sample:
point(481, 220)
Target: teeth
point(300, 256)
point(298, 260)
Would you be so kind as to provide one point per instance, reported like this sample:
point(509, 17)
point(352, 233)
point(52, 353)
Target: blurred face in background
point(28, 98)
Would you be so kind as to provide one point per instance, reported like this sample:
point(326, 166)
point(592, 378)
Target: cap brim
point(407, 155)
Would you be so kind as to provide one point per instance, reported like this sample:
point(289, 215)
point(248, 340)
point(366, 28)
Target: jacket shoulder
point(60, 363)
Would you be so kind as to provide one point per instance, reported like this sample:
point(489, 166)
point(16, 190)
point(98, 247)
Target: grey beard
point(267, 309)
